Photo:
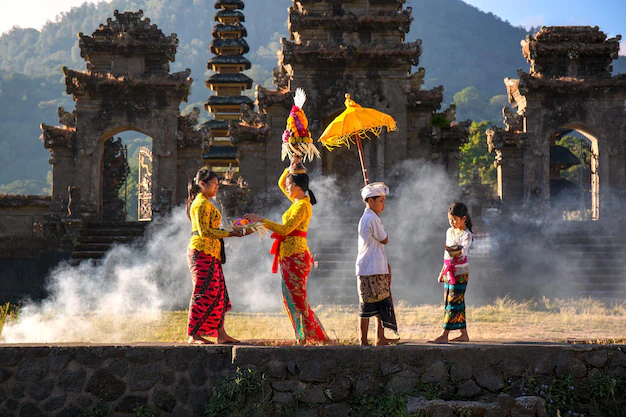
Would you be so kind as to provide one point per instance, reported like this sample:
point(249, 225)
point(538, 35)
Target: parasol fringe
point(347, 140)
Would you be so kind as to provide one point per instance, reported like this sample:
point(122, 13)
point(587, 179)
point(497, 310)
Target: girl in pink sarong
point(455, 272)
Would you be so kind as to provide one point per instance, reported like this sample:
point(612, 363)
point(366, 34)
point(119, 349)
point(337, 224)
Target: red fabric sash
point(278, 239)
point(450, 267)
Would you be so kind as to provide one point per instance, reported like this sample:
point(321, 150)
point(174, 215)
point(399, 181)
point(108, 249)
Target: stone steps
point(96, 239)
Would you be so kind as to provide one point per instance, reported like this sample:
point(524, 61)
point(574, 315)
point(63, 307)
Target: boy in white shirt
point(372, 269)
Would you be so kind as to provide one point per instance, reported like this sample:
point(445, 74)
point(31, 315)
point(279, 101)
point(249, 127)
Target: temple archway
point(127, 86)
point(565, 89)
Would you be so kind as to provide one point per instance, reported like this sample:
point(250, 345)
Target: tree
point(476, 152)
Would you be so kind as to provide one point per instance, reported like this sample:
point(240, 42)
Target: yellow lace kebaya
point(205, 221)
point(297, 217)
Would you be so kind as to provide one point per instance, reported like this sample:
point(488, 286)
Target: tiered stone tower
point(228, 82)
point(568, 87)
point(354, 47)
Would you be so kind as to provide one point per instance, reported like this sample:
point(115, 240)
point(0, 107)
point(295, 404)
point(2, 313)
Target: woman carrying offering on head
point(209, 300)
point(291, 251)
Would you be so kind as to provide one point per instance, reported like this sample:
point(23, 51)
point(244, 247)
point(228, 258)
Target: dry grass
point(546, 320)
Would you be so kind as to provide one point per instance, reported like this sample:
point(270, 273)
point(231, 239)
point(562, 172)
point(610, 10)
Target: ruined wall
point(325, 381)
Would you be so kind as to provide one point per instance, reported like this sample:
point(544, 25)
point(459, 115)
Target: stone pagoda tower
point(228, 82)
point(354, 47)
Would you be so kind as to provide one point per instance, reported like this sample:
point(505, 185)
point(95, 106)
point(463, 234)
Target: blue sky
point(609, 15)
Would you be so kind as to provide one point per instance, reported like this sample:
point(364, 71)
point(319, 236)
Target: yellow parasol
point(354, 124)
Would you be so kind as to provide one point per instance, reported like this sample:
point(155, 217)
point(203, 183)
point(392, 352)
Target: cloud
point(622, 48)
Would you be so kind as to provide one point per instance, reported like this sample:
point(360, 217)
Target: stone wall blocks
point(5, 374)
point(513, 366)
point(130, 402)
point(366, 384)
point(468, 389)
point(164, 400)
point(339, 388)
point(84, 401)
point(311, 412)
point(3, 395)
point(70, 411)
point(104, 385)
point(197, 374)
point(91, 358)
point(436, 372)
point(388, 368)
point(617, 358)
point(277, 369)
point(41, 390)
point(417, 405)
point(12, 405)
point(54, 403)
point(316, 371)
point(181, 390)
point(58, 362)
point(288, 385)
point(284, 398)
point(31, 370)
point(337, 410)
point(144, 377)
point(198, 400)
point(72, 381)
point(568, 364)
point(17, 390)
point(177, 358)
point(36, 352)
point(488, 380)
point(461, 371)
point(403, 382)
point(314, 394)
point(596, 358)
point(119, 367)
point(535, 404)
point(30, 410)
point(138, 355)
point(167, 378)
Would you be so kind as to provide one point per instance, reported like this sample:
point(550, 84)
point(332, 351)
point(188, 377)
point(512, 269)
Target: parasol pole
point(363, 168)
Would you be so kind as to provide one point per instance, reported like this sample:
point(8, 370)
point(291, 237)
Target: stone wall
point(177, 380)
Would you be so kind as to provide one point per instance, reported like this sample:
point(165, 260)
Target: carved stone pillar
point(509, 148)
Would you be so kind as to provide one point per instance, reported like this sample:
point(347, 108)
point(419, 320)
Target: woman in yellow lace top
point(290, 249)
point(209, 301)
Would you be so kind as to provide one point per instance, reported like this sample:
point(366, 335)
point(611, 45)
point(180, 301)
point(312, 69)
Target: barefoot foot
point(226, 339)
point(462, 338)
point(198, 340)
point(384, 341)
point(440, 339)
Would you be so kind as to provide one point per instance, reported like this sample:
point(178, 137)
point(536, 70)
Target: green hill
point(462, 47)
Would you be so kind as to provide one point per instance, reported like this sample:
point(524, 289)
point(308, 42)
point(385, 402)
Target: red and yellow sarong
point(295, 270)
point(209, 300)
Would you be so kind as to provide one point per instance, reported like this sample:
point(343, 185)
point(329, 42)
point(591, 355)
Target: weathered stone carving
point(73, 205)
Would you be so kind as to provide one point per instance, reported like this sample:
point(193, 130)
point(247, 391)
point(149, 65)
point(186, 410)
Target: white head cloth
point(374, 189)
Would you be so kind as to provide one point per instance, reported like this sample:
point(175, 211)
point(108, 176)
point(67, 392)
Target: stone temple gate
point(127, 86)
point(569, 87)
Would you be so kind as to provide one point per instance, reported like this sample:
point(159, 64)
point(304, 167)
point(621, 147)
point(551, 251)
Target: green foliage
point(8, 311)
point(98, 410)
point(238, 396)
point(145, 411)
point(606, 391)
point(439, 120)
point(384, 405)
point(473, 105)
point(476, 152)
point(579, 147)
